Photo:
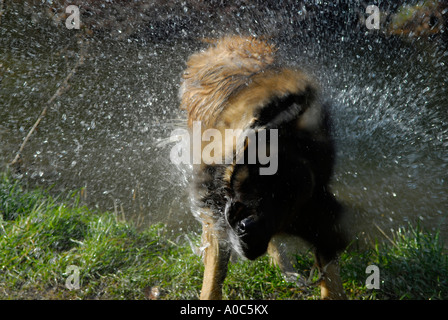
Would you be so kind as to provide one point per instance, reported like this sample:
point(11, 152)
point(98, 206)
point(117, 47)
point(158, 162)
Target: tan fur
point(264, 86)
point(215, 262)
point(214, 75)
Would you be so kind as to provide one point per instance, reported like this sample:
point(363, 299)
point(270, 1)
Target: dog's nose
point(247, 225)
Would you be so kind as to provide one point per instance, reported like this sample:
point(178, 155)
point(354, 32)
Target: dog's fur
point(237, 83)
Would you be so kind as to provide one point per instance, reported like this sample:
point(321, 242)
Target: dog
point(239, 84)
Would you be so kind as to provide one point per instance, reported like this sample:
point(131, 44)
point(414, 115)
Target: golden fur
point(214, 75)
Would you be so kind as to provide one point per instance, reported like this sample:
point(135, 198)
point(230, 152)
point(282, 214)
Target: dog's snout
point(236, 213)
point(247, 224)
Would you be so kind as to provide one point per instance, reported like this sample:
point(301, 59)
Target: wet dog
point(238, 84)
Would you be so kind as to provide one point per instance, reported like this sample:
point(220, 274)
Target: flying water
point(105, 133)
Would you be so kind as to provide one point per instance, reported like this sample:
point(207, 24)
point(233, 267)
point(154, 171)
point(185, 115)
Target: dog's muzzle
point(250, 229)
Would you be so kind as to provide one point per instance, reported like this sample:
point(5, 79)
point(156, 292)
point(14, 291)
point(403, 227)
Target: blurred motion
point(104, 126)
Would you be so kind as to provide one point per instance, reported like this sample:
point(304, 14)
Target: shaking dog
point(239, 85)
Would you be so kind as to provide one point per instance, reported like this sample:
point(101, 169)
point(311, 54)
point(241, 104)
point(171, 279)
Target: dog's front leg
point(331, 284)
point(216, 258)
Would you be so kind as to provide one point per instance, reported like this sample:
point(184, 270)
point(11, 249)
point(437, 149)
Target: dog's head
point(258, 206)
point(247, 214)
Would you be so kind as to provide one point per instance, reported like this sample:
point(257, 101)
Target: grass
point(412, 266)
point(42, 236)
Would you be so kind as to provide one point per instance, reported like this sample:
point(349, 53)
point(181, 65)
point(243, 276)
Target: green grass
point(412, 266)
point(415, 266)
point(40, 237)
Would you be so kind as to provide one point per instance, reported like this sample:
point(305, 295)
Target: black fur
point(296, 199)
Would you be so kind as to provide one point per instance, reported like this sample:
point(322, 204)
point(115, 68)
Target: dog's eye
point(236, 212)
point(237, 208)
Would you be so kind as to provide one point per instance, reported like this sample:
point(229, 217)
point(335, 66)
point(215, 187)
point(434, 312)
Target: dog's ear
point(281, 110)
